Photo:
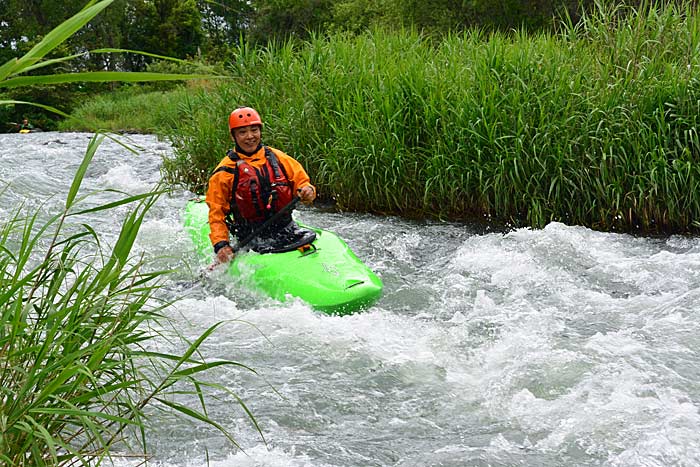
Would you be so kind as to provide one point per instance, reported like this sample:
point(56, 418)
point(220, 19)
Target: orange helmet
point(244, 116)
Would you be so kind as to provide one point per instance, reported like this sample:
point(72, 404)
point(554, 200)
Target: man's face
point(247, 137)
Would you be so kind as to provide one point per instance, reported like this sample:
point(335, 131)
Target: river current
point(555, 347)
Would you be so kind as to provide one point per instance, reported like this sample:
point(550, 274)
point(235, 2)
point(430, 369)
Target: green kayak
point(325, 273)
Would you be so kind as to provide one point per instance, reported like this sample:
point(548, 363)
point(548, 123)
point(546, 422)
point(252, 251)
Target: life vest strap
point(237, 224)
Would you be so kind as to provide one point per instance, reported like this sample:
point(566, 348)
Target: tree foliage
point(163, 27)
point(223, 24)
point(274, 19)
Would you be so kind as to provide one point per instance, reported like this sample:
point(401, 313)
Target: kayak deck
point(326, 274)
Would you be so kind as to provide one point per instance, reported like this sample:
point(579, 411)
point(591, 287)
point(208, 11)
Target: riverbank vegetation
point(592, 122)
point(129, 110)
point(595, 125)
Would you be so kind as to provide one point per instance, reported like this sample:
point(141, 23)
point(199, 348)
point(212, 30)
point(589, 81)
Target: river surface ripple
point(553, 347)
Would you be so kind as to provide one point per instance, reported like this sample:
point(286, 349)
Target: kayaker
point(25, 125)
point(266, 180)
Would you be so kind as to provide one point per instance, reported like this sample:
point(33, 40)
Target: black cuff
point(220, 245)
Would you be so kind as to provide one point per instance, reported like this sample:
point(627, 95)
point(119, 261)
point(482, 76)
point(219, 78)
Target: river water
point(553, 347)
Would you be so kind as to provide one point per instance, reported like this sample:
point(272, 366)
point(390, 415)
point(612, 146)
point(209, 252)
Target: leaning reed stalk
point(595, 125)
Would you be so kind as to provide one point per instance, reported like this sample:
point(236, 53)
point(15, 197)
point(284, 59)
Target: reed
point(594, 125)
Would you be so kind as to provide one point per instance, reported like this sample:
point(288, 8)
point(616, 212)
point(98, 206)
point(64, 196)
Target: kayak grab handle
point(308, 249)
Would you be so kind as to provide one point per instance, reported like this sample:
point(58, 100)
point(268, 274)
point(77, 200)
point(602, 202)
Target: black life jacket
point(257, 194)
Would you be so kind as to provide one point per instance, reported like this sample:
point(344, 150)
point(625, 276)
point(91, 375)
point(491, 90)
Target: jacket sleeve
point(295, 171)
point(218, 199)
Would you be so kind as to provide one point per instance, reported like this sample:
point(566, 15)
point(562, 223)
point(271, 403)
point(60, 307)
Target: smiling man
point(251, 184)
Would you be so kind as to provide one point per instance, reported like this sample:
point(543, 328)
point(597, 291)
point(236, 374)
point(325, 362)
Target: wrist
point(222, 244)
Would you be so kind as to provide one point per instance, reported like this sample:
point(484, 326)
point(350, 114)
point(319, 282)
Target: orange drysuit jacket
point(220, 185)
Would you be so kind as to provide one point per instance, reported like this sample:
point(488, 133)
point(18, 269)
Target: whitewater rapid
point(555, 347)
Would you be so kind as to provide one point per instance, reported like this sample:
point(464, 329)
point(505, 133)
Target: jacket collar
point(241, 152)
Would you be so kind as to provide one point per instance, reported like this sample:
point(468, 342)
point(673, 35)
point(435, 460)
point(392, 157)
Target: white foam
point(256, 456)
point(125, 178)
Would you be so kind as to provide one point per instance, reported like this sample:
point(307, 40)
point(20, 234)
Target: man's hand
point(307, 194)
point(225, 254)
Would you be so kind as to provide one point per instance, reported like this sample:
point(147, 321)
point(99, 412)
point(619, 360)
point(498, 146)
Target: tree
point(282, 19)
point(223, 24)
point(28, 21)
point(162, 27)
point(441, 16)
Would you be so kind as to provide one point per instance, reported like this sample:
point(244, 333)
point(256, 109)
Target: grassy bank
point(596, 125)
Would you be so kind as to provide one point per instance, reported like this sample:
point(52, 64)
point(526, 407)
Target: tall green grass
point(127, 110)
point(595, 125)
